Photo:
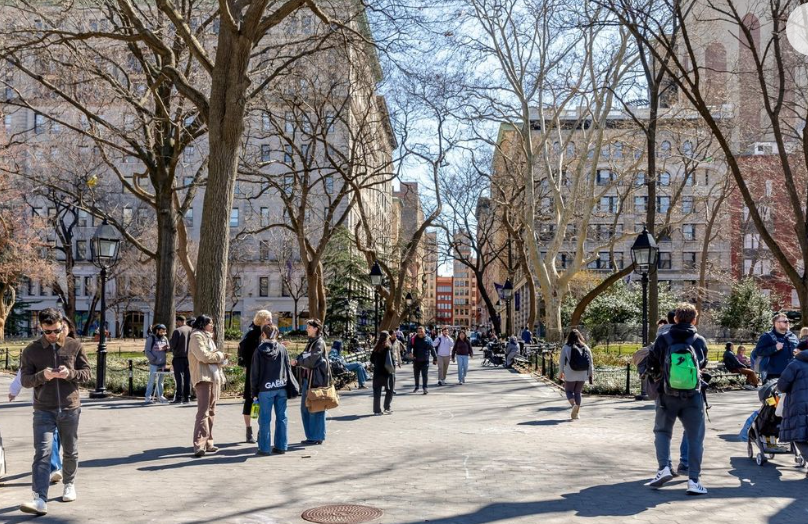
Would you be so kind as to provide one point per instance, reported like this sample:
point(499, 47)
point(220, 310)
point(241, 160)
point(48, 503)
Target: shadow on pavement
point(350, 418)
point(544, 422)
point(158, 454)
point(731, 437)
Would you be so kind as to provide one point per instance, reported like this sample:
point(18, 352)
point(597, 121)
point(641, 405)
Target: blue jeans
point(313, 423)
point(56, 457)
point(45, 424)
point(690, 411)
point(150, 385)
point(359, 369)
point(269, 400)
point(462, 367)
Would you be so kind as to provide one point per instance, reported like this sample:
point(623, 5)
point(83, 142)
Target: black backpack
point(579, 358)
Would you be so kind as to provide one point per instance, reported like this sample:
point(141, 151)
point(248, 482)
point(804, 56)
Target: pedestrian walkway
point(499, 449)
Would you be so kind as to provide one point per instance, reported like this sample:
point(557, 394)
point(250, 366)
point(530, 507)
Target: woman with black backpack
point(576, 365)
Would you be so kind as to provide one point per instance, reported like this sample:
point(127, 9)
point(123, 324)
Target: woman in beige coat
point(207, 376)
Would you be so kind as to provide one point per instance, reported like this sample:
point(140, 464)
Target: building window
point(665, 149)
point(289, 124)
point(288, 184)
point(664, 260)
point(263, 250)
point(690, 179)
point(639, 179)
point(664, 179)
point(81, 249)
point(263, 286)
point(188, 153)
point(266, 153)
point(88, 286)
point(687, 148)
point(609, 204)
point(7, 123)
point(604, 177)
point(264, 216)
point(266, 123)
point(689, 260)
point(329, 184)
point(39, 124)
point(189, 217)
point(287, 154)
point(689, 232)
point(640, 204)
point(663, 204)
point(234, 217)
point(237, 286)
point(751, 241)
point(687, 205)
point(83, 218)
point(757, 267)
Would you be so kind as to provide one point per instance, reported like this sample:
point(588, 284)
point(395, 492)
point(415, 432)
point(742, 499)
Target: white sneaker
point(662, 476)
point(695, 488)
point(162, 400)
point(36, 507)
point(69, 494)
point(56, 476)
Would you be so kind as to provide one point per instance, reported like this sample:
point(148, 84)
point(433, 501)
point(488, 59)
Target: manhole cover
point(342, 514)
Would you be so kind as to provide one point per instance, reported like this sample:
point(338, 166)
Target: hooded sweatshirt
point(269, 370)
point(679, 333)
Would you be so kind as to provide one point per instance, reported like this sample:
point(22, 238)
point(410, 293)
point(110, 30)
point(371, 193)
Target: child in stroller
point(764, 429)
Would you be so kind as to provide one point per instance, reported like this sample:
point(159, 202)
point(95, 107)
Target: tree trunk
point(229, 82)
point(489, 305)
point(316, 290)
point(295, 322)
point(555, 331)
point(8, 296)
point(580, 308)
point(164, 297)
point(91, 315)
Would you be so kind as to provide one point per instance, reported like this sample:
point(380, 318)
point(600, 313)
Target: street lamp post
point(105, 246)
point(376, 281)
point(507, 294)
point(644, 254)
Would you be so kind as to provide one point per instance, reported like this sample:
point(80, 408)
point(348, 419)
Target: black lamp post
point(644, 254)
point(105, 246)
point(376, 281)
point(507, 294)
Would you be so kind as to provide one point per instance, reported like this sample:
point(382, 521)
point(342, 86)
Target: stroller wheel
point(771, 456)
point(750, 451)
point(760, 459)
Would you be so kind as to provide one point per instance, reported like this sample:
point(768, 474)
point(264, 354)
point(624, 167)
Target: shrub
point(232, 334)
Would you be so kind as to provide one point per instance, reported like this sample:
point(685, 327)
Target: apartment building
point(444, 301)
point(294, 129)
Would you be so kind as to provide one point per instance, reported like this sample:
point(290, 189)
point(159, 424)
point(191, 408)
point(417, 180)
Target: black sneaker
point(426, 392)
point(276, 451)
point(681, 469)
point(415, 390)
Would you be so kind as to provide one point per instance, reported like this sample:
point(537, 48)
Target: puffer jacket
point(204, 358)
point(794, 382)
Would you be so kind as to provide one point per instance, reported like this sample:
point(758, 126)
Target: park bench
point(721, 376)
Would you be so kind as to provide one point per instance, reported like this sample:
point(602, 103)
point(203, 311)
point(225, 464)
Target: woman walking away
point(271, 375)
point(794, 382)
point(207, 376)
point(576, 367)
point(462, 351)
point(246, 349)
point(315, 374)
point(512, 350)
point(156, 348)
point(384, 373)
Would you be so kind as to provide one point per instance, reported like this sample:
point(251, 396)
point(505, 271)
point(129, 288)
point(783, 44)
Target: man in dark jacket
point(421, 348)
point(688, 406)
point(734, 365)
point(54, 366)
point(775, 349)
point(182, 373)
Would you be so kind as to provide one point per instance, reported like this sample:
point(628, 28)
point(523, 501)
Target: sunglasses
point(51, 331)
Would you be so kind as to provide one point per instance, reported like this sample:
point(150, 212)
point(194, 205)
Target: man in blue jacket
point(775, 349)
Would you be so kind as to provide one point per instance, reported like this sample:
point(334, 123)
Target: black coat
point(794, 382)
point(249, 343)
point(378, 359)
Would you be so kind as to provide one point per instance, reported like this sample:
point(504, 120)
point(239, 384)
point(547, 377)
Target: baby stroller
point(765, 429)
point(494, 356)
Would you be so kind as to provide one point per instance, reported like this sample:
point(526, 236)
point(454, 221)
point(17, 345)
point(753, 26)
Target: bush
point(232, 334)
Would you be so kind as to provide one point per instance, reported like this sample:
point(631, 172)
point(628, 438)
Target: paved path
point(496, 450)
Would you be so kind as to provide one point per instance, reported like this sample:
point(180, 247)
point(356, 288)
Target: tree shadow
point(150, 455)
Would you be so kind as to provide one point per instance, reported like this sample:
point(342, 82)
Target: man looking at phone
point(54, 366)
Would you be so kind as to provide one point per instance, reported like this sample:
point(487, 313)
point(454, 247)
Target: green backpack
point(681, 367)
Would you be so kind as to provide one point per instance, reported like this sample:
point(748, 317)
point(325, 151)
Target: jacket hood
point(802, 356)
point(269, 348)
point(682, 330)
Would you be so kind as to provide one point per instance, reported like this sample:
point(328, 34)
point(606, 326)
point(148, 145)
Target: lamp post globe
point(376, 274)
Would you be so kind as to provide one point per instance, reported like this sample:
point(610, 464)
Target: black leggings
point(389, 384)
point(247, 408)
point(573, 390)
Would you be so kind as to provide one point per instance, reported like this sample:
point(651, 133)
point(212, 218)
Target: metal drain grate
point(341, 514)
